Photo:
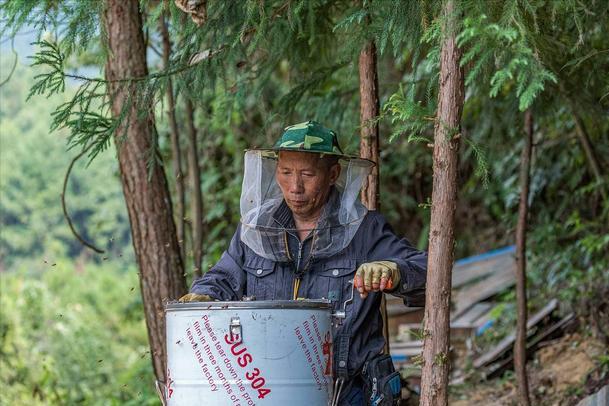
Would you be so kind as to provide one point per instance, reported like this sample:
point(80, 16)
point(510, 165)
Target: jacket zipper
point(298, 278)
point(374, 389)
point(299, 255)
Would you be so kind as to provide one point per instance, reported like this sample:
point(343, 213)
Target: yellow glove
point(376, 276)
point(193, 297)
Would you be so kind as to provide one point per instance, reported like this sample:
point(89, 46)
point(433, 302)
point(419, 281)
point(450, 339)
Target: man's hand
point(193, 297)
point(376, 276)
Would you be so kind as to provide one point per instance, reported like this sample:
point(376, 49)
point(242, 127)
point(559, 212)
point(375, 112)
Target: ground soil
point(561, 373)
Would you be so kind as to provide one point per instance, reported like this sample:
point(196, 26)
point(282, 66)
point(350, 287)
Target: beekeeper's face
point(305, 180)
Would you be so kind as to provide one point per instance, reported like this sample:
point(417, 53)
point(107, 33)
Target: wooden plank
point(468, 318)
point(406, 352)
point(483, 323)
point(395, 305)
point(469, 269)
point(394, 309)
point(479, 269)
point(410, 317)
point(469, 322)
point(412, 326)
point(408, 348)
point(600, 398)
point(496, 369)
point(478, 291)
point(407, 344)
point(507, 342)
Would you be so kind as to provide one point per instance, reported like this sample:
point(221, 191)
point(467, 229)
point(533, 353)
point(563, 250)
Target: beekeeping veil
point(262, 200)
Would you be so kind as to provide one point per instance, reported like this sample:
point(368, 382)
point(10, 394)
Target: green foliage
point(579, 269)
point(482, 167)
point(32, 167)
point(85, 115)
point(54, 81)
point(411, 117)
point(515, 61)
point(73, 335)
point(603, 361)
point(75, 22)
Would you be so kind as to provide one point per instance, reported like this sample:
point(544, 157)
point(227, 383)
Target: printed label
point(317, 350)
point(219, 365)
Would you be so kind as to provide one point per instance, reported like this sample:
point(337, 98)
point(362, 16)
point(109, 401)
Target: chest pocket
point(261, 278)
point(336, 275)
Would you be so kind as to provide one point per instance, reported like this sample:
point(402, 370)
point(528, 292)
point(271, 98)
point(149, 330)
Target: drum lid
point(252, 304)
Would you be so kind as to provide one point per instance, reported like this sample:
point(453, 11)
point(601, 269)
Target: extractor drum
point(249, 353)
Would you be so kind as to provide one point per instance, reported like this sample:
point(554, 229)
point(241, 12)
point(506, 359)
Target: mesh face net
point(261, 198)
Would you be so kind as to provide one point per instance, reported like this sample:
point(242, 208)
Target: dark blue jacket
point(241, 272)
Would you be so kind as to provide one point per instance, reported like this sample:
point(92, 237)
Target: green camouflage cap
point(313, 137)
point(309, 136)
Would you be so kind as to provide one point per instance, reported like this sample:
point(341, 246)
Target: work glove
point(194, 297)
point(376, 276)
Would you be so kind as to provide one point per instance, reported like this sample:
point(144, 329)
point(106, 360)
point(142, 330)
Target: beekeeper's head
point(307, 171)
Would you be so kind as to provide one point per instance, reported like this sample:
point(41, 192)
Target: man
point(304, 234)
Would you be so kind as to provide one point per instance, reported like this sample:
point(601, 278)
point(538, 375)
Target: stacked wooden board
point(475, 280)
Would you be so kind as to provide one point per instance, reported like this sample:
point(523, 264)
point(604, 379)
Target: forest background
point(72, 324)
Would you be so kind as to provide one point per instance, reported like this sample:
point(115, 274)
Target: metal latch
point(235, 330)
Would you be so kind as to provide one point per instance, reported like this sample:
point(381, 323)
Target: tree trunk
point(584, 140)
point(197, 199)
point(176, 155)
point(520, 345)
point(434, 380)
point(145, 188)
point(369, 142)
point(369, 111)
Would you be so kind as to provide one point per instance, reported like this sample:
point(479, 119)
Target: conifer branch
point(10, 74)
point(65, 209)
point(51, 56)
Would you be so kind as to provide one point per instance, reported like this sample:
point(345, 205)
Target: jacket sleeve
point(412, 263)
point(225, 280)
